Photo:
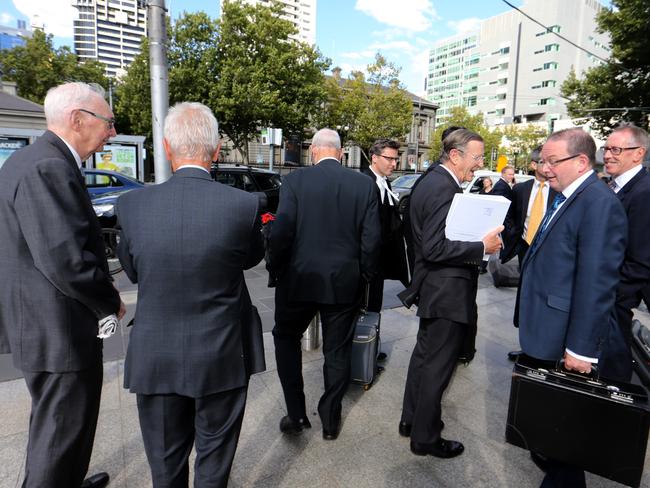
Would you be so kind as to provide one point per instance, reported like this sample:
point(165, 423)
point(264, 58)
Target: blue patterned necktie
point(559, 198)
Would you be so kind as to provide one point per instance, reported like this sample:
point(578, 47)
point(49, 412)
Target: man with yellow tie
point(530, 200)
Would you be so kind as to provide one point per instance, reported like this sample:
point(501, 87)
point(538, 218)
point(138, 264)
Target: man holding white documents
point(444, 287)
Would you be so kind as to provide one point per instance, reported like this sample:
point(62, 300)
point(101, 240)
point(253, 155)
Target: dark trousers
point(291, 321)
point(616, 359)
point(432, 364)
point(560, 475)
point(171, 424)
point(375, 294)
point(62, 426)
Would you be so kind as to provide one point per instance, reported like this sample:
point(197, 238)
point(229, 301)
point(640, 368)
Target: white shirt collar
point(75, 154)
point(383, 187)
point(195, 166)
point(570, 190)
point(451, 173)
point(624, 178)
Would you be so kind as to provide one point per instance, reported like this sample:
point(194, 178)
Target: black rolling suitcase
point(601, 428)
point(365, 347)
point(641, 351)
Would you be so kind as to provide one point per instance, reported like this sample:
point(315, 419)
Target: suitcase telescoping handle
point(366, 297)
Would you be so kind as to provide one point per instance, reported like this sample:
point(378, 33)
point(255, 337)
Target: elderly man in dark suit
point(324, 246)
point(384, 154)
point(186, 242)
point(55, 285)
point(624, 152)
point(530, 200)
point(444, 284)
point(565, 301)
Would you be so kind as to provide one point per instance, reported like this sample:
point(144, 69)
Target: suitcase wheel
point(367, 387)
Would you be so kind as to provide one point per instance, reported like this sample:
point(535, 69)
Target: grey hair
point(577, 142)
point(639, 136)
point(326, 138)
point(458, 139)
point(192, 131)
point(63, 99)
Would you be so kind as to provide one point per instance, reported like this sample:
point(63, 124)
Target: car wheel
point(403, 205)
point(111, 240)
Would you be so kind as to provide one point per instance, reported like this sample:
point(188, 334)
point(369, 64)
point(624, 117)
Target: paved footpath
point(368, 453)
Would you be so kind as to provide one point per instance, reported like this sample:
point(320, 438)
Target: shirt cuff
point(582, 358)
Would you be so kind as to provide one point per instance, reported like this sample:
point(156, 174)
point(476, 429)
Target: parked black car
point(253, 180)
point(402, 186)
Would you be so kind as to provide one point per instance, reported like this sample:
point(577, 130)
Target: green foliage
point(132, 100)
point(460, 116)
point(261, 78)
point(524, 138)
point(37, 67)
point(624, 82)
point(371, 106)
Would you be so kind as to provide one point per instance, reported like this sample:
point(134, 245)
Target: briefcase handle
point(593, 375)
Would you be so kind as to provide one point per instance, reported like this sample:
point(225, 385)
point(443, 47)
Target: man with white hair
point(196, 338)
point(56, 285)
point(324, 243)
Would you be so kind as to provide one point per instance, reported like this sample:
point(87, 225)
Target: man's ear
point(215, 156)
point(168, 152)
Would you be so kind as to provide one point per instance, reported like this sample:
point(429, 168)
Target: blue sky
point(349, 32)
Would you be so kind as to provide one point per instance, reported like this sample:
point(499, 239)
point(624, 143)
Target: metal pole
point(159, 84)
point(311, 337)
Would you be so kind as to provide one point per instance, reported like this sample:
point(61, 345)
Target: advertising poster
point(7, 147)
point(118, 158)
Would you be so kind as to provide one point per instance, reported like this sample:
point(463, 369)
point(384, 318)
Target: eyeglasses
point(109, 122)
point(395, 160)
point(478, 158)
point(615, 150)
point(553, 164)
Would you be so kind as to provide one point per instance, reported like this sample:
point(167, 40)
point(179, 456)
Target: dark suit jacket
point(446, 272)
point(392, 256)
point(502, 188)
point(635, 271)
point(55, 283)
point(186, 242)
point(568, 283)
point(514, 244)
point(326, 235)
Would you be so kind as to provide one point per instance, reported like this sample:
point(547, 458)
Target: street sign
point(494, 154)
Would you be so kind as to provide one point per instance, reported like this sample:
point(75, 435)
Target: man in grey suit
point(196, 338)
point(55, 285)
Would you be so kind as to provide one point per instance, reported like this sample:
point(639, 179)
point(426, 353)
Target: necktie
point(559, 198)
point(612, 184)
point(536, 214)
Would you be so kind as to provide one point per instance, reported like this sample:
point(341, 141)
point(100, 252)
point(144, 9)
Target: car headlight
point(104, 210)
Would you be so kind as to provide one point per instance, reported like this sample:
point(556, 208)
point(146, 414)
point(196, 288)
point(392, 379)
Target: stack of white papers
point(472, 216)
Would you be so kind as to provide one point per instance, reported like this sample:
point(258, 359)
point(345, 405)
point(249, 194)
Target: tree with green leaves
point(37, 66)
point(132, 99)
point(260, 77)
point(619, 90)
point(460, 116)
point(523, 138)
point(370, 106)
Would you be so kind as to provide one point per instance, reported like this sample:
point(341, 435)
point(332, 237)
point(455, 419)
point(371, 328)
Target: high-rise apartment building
point(302, 13)
point(11, 37)
point(511, 68)
point(110, 31)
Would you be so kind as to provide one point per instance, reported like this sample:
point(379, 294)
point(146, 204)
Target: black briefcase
point(601, 428)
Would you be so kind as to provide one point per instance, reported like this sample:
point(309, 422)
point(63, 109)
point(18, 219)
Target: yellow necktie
point(536, 214)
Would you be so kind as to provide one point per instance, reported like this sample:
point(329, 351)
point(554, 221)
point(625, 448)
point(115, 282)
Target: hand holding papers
point(472, 217)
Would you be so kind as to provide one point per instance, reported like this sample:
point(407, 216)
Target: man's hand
point(575, 364)
point(492, 240)
point(121, 311)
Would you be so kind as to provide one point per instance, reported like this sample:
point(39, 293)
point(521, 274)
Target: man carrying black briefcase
point(569, 275)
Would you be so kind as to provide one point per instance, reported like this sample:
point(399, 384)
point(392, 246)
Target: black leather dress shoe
point(331, 435)
point(442, 449)
point(540, 461)
point(293, 427)
point(99, 480)
point(405, 429)
point(514, 355)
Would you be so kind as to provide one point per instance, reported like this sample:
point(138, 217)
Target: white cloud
point(7, 19)
point(413, 15)
point(465, 25)
point(56, 15)
point(367, 54)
